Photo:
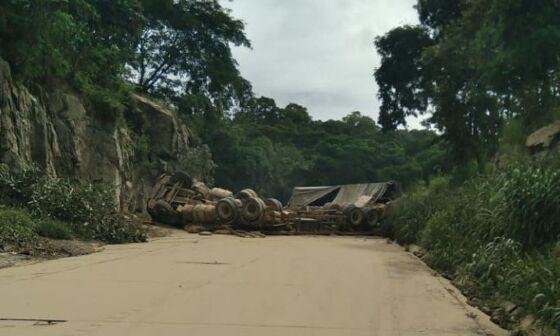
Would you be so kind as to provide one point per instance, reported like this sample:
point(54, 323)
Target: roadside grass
point(38, 205)
point(55, 229)
point(498, 233)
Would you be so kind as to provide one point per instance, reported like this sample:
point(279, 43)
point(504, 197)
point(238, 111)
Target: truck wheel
point(253, 210)
point(246, 193)
point(274, 204)
point(356, 216)
point(184, 178)
point(371, 217)
point(227, 210)
point(165, 213)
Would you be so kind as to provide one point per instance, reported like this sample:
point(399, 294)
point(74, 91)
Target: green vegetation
point(172, 47)
point(55, 229)
point(272, 149)
point(16, 227)
point(60, 209)
point(498, 233)
point(487, 73)
point(179, 51)
point(470, 65)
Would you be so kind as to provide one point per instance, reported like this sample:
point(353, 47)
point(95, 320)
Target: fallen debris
point(183, 202)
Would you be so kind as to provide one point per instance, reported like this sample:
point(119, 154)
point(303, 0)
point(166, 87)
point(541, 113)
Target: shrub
point(415, 209)
point(16, 227)
point(514, 135)
point(113, 229)
point(16, 187)
point(55, 229)
point(88, 209)
point(496, 231)
point(91, 207)
point(55, 198)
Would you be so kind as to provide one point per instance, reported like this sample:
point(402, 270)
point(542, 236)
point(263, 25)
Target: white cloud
point(317, 53)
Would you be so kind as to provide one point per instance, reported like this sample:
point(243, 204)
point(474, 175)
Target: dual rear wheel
point(361, 216)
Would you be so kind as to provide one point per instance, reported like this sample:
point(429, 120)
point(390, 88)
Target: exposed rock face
point(55, 131)
point(545, 138)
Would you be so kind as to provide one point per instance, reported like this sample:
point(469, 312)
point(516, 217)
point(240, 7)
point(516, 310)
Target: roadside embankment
point(496, 237)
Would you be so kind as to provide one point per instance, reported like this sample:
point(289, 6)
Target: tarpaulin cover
point(303, 196)
point(365, 193)
point(358, 194)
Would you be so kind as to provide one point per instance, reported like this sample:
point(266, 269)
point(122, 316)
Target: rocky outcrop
point(544, 139)
point(56, 131)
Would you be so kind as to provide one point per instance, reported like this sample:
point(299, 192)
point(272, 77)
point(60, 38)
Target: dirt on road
point(222, 285)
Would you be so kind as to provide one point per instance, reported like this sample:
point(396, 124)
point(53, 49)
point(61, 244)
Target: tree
point(185, 49)
point(436, 14)
point(401, 76)
point(295, 114)
point(260, 110)
point(471, 64)
point(76, 41)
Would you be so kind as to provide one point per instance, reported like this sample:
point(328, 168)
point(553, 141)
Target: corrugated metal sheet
point(303, 196)
point(359, 194)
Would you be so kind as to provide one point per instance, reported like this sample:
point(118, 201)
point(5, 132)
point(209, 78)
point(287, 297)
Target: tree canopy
point(272, 148)
point(180, 51)
point(172, 47)
point(469, 65)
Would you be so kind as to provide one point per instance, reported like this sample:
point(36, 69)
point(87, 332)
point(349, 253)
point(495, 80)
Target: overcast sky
point(317, 53)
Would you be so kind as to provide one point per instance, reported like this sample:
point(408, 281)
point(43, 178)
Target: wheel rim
point(356, 217)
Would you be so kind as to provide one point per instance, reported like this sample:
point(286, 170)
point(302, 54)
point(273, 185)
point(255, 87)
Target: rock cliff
point(54, 130)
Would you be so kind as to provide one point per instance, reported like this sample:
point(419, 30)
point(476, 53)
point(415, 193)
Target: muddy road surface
point(221, 285)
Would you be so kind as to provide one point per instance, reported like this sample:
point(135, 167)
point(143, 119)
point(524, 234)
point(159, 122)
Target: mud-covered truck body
point(352, 207)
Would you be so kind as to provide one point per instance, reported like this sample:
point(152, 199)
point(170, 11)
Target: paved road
point(194, 285)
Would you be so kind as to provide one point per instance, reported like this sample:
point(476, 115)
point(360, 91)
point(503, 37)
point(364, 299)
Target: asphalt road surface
point(223, 285)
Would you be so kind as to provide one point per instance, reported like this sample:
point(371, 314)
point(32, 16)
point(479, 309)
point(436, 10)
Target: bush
point(113, 229)
point(496, 231)
point(16, 187)
point(55, 198)
point(88, 209)
point(16, 227)
point(415, 210)
point(91, 207)
point(54, 229)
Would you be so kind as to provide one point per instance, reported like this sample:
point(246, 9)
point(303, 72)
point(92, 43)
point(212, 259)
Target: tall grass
point(532, 197)
point(415, 210)
point(496, 230)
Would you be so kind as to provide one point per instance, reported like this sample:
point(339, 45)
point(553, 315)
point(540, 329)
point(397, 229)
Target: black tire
point(371, 217)
point(348, 209)
point(201, 189)
point(253, 210)
point(227, 211)
point(356, 216)
point(165, 213)
point(274, 204)
point(184, 178)
point(246, 193)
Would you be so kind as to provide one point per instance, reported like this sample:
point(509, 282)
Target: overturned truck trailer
point(352, 207)
point(180, 200)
